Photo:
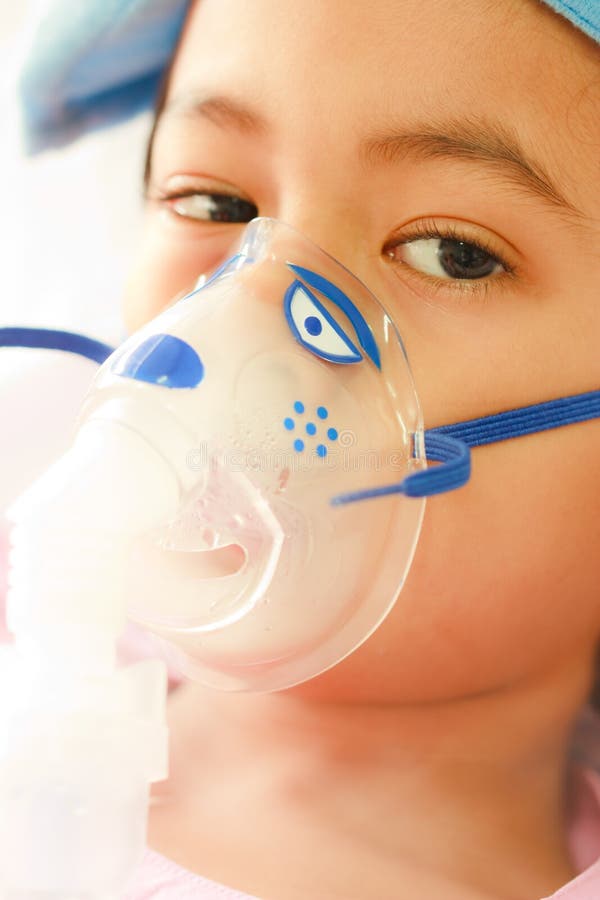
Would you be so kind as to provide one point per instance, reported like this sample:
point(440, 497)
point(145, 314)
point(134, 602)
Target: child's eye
point(204, 207)
point(449, 258)
point(443, 254)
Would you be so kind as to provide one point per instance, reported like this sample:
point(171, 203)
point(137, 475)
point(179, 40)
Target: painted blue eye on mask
point(316, 329)
point(312, 313)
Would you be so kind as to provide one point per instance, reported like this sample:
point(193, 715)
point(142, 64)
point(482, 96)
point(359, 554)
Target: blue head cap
point(585, 14)
point(94, 62)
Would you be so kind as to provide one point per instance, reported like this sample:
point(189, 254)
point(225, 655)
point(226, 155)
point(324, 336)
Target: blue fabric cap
point(583, 13)
point(94, 62)
point(91, 63)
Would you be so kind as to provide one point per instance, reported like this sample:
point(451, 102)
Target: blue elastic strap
point(52, 339)
point(526, 420)
point(450, 444)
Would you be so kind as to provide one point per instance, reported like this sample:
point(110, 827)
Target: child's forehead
point(405, 37)
point(357, 68)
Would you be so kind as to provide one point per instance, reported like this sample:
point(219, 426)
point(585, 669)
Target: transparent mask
point(278, 385)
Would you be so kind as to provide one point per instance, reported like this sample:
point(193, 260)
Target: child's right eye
point(205, 207)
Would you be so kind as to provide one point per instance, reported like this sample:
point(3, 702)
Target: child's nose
point(336, 232)
point(162, 359)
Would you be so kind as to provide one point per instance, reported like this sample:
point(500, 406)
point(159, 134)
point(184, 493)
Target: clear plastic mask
point(274, 388)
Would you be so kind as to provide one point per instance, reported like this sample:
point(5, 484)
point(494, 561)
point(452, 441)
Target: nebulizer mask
point(247, 481)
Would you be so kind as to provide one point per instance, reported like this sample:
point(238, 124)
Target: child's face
point(372, 128)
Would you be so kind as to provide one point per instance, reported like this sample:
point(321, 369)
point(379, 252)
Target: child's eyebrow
point(488, 143)
point(223, 111)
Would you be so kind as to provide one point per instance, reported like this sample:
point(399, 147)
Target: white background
point(69, 224)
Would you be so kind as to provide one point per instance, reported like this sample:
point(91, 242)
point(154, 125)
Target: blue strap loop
point(450, 444)
point(55, 339)
point(455, 471)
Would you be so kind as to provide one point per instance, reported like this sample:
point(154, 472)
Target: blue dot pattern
point(311, 429)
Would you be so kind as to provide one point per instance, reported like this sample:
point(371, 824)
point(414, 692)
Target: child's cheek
point(170, 259)
point(504, 583)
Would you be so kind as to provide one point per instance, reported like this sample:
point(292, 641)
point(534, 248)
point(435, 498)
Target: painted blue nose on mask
point(162, 359)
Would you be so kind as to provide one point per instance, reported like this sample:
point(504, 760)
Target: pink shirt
point(160, 879)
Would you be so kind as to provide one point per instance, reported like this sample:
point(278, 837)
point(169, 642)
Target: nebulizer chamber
point(198, 500)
